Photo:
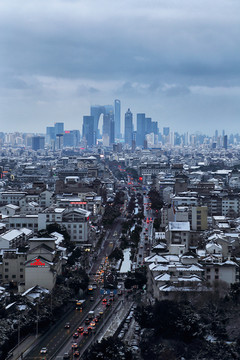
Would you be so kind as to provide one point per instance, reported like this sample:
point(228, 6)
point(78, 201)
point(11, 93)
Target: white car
point(43, 350)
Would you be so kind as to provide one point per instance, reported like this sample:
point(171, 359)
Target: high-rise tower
point(88, 130)
point(141, 129)
point(128, 128)
point(117, 118)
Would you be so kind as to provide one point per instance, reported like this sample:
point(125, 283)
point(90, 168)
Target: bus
point(79, 304)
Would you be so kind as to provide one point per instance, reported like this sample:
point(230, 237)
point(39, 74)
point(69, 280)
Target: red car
point(104, 301)
point(75, 335)
point(80, 329)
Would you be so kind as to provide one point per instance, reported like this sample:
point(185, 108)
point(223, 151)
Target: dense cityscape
point(119, 180)
point(115, 246)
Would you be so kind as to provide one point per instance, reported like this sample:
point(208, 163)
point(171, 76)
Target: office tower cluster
point(146, 130)
point(110, 117)
point(58, 138)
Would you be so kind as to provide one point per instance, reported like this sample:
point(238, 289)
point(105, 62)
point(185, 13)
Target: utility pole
point(51, 302)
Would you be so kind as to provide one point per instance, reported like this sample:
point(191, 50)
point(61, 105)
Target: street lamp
point(37, 321)
point(19, 326)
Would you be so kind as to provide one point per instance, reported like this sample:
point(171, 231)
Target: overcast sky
point(177, 61)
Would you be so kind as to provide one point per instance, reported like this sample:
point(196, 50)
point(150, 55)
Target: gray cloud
point(130, 49)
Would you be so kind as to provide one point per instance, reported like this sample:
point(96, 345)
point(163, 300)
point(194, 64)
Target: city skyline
point(177, 63)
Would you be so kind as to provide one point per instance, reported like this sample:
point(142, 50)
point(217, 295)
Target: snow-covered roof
point(59, 237)
point(159, 267)
point(213, 245)
point(163, 277)
point(179, 226)
point(10, 305)
point(26, 231)
point(157, 259)
point(59, 210)
point(229, 263)
point(11, 206)
point(160, 246)
point(11, 234)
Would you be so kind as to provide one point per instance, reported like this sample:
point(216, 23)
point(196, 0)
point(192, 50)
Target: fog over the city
point(177, 61)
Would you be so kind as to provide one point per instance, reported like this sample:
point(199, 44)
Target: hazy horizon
point(176, 62)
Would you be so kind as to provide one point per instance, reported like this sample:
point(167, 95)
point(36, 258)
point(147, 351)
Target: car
point(108, 304)
point(92, 323)
point(87, 321)
point(91, 298)
point(43, 350)
point(100, 313)
point(104, 301)
point(75, 345)
point(85, 333)
point(96, 319)
point(66, 356)
point(80, 329)
point(67, 325)
point(75, 335)
point(89, 328)
point(76, 353)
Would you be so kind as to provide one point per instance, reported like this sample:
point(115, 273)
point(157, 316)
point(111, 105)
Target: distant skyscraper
point(166, 135)
point(96, 112)
point(225, 142)
point(88, 130)
point(141, 129)
point(108, 127)
point(117, 117)
point(166, 131)
point(50, 134)
point(154, 127)
point(128, 128)
point(38, 142)
point(59, 128)
point(59, 141)
point(71, 138)
point(148, 125)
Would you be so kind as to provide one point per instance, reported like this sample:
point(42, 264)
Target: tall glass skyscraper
point(117, 118)
point(88, 130)
point(108, 127)
point(59, 128)
point(128, 127)
point(141, 129)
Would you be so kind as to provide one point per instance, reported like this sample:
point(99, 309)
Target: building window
point(208, 277)
point(216, 270)
point(21, 270)
point(6, 270)
point(216, 277)
point(6, 263)
point(14, 276)
point(21, 276)
point(6, 276)
point(208, 270)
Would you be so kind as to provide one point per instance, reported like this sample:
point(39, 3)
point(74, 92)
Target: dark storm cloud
point(137, 48)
